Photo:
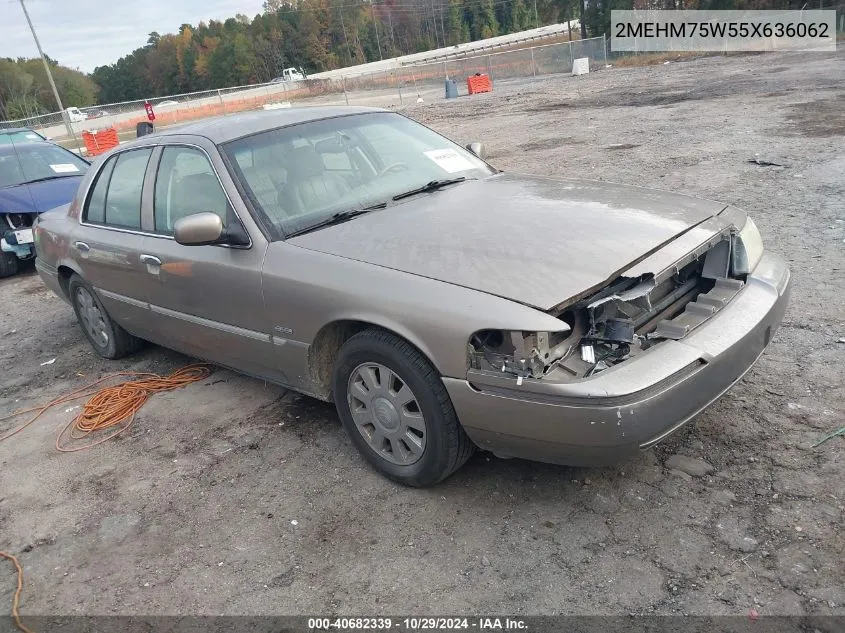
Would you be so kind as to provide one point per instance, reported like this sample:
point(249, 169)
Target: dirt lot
point(233, 496)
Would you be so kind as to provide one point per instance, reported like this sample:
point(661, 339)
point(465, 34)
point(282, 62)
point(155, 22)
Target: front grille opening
point(631, 315)
point(18, 221)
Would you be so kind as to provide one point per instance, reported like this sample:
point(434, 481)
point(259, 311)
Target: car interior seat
point(310, 186)
point(266, 187)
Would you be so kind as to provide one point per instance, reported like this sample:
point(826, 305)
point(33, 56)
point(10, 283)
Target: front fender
point(305, 291)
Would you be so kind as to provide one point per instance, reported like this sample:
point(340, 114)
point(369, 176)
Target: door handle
point(150, 260)
point(82, 247)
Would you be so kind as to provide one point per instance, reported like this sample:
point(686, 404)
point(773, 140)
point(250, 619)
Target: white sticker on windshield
point(449, 160)
point(64, 168)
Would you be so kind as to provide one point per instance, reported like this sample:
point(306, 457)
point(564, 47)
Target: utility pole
point(49, 74)
point(375, 26)
point(536, 16)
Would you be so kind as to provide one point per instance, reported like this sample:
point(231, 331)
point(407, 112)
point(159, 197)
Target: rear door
point(204, 300)
point(108, 239)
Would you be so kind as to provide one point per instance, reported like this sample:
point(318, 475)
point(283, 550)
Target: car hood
point(533, 240)
point(38, 196)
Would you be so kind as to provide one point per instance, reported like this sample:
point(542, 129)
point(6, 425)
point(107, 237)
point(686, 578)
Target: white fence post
point(222, 103)
point(343, 84)
point(533, 65)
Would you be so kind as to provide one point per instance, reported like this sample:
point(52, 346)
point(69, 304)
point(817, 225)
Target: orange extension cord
point(112, 406)
point(107, 408)
point(16, 600)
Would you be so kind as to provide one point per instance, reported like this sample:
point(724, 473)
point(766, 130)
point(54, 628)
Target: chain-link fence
point(392, 87)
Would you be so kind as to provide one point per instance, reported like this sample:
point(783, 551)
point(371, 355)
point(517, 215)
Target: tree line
point(314, 35)
point(25, 90)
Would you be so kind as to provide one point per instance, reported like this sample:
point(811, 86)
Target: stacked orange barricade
point(479, 83)
point(100, 141)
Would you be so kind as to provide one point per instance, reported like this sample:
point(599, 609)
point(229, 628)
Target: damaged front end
point(627, 316)
point(16, 234)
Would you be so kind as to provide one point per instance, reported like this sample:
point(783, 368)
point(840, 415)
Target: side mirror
point(198, 229)
point(477, 149)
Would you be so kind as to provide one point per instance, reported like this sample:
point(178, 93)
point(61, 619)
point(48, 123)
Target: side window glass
point(96, 210)
point(123, 200)
point(186, 184)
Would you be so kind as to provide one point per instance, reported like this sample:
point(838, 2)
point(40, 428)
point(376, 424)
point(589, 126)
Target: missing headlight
point(521, 354)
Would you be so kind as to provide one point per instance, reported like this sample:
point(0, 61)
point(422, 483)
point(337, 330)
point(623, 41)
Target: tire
point(113, 341)
point(9, 264)
point(388, 364)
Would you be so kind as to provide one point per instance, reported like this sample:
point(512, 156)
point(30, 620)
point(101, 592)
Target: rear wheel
point(107, 338)
point(396, 410)
point(9, 264)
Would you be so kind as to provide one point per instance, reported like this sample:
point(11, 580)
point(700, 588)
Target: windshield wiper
point(433, 185)
point(337, 218)
point(53, 177)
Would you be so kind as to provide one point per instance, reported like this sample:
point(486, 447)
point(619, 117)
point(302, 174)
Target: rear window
point(115, 199)
point(96, 210)
point(123, 198)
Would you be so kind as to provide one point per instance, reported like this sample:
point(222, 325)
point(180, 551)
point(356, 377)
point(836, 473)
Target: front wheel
point(393, 405)
point(107, 338)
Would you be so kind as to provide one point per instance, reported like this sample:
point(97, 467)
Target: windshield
point(21, 164)
point(303, 174)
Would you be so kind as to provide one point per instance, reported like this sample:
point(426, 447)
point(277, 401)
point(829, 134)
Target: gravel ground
point(234, 496)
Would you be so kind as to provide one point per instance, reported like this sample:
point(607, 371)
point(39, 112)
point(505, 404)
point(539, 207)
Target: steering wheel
point(393, 168)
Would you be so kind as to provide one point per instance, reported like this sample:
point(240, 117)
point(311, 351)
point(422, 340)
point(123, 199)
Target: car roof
point(15, 130)
point(12, 149)
point(227, 128)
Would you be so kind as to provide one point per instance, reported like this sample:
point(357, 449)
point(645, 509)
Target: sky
point(85, 34)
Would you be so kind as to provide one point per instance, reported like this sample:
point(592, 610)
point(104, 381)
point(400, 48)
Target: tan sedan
point(359, 257)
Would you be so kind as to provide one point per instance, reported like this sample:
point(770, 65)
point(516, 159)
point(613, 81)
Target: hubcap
point(386, 413)
point(92, 318)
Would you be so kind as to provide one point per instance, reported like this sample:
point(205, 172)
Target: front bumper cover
point(9, 244)
point(633, 405)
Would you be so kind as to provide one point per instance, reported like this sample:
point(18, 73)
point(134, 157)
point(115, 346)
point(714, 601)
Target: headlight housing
point(518, 353)
point(747, 249)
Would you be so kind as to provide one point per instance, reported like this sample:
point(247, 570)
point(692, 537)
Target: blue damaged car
point(34, 177)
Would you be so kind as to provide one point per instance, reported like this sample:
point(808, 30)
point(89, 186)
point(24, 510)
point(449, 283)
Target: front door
point(204, 300)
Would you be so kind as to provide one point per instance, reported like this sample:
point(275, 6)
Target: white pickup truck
point(290, 74)
point(75, 115)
